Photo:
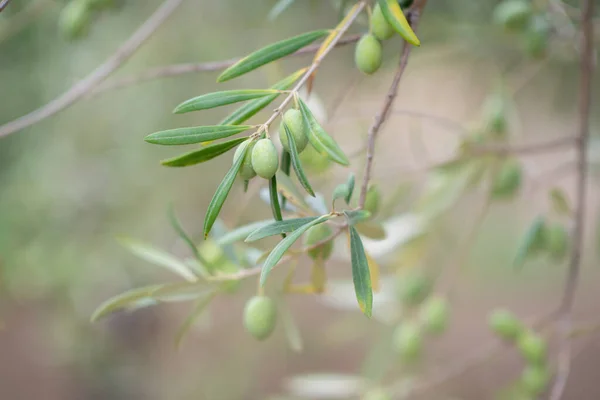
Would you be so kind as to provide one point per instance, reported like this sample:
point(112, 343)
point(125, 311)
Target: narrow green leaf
point(251, 108)
point(278, 227)
point(242, 232)
point(286, 187)
point(319, 139)
point(270, 53)
point(296, 161)
point(204, 154)
point(159, 258)
point(124, 300)
point(218, 99)
point(559, 202)
point(350, 183)
point(276, 254)
point(286, 163)
point(274, 200)
point(185, 237)
point(198, 134)
point(356, 216)
point(222, 192)
point(344, 190)
point(199, 308)
point(292, 333)
point(360, 273)
point(533, 241)
point(181, 291)
point(395, 17)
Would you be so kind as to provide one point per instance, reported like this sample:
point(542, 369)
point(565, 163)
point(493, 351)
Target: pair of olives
point(261, 157)
point(76, 17)
point(368, 54)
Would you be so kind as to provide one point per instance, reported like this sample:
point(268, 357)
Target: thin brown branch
point(181, 69)
point(585, 102)
point(381, 117)
point(87, 84)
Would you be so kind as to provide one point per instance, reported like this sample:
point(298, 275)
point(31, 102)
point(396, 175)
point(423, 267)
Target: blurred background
point(72, 184)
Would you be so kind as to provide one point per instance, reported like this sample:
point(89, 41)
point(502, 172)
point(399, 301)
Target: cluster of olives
point(368, 54)
point(261, 157)
point(76, 16)
point(531, 346)
point(533, 25)
point(433, 314)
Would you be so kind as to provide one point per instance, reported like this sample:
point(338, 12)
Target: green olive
point(414, 288)
point(265, 160)
point(295, 123)
point(379, 25)
point(246, 170)
point(373, 200)
point(534, 379)
point(260, 317)
point(75, 19)
point(505, 324)
point(508, 180)
point(532, 347)
point(377, 394)
point(513, 14)
point(367, 54)
point(435, 314)
point(408, 341)
point(316, 234)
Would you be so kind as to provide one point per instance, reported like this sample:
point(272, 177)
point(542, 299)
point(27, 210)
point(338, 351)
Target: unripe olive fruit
point(513, 14)
point(414, 288)
point(557, 241)
point(373, 200)
point(505, 324)
point(377, 394)
point(508, 180)
point(295, 123)
point(74, 19)
point(435, 314)
point(367, 55)
point(532, 347)
point(379, 25)
point(534, 379)
point(316, 234)
point(246, 170)
point(260, 317)
point(264, 158)
point(408, 341)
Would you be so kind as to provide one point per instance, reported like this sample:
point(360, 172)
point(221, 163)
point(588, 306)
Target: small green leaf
point(274, 200)
point(532, 242)
point(124, 300)
point(270, 53)
point(204, 154)
point(350, 184)
point(559, 201)
point(286, 187)
point(199, 308)
point(223, 191)
point(344, 191)
point(218, 99)
point(356, 216)
point(276, 254)
point(198, 134)
point(159, 258)
point(296, 161)
point(395, 17)
point(242, 232)
point(251, 108)
point(360, 272)
point(319, 139)
point(292, 333)
point(278, 227)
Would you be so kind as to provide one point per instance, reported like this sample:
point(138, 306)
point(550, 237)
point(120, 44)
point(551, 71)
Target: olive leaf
point(252, 107)
point(223, 191)
point(270, 53)
point(204, 154)
point(286, 163)
point(276, 254)
point(395, 17)
point(199, 308)
point(344, 191)
point(356, 216)
point(218, 99)
point(197, 134)
point(532, 242)
point(274, 200)
point(278, 227)
point(361, 274)
point(319, 139)
point(185, 237)
point(158, 257)
point(242, 232)
point(559, 202)
point(296, 161)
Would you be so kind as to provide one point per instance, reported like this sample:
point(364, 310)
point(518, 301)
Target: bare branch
point(87, 84)
point(585, 101)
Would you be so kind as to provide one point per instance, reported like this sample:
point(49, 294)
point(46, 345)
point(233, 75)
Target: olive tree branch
point(381, 117)
point(585, 101)
point(102, 72)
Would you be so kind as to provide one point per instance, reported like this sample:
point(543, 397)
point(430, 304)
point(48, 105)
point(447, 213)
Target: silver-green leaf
point(278, 227)
point(206, 153)
point(218, 99)
point(361, 274)
point(296, 161)
point(197, 134)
